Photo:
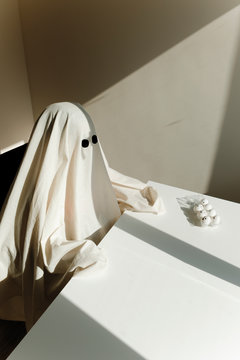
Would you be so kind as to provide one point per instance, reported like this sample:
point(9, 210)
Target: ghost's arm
point(134, 195)
point(64, 256)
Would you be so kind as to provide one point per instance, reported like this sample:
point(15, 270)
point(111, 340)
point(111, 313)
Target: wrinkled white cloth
point(65, 198)
point(134, 195)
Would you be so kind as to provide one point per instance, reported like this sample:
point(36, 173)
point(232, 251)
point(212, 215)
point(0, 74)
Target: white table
point(171, 291)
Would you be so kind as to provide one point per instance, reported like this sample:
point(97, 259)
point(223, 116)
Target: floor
point(11, 333)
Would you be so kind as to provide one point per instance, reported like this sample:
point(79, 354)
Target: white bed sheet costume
point(63, 201)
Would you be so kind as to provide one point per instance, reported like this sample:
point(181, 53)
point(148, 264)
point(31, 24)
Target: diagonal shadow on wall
point(225, 178)
point(79, 49)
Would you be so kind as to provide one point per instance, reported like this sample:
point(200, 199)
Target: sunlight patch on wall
point(169, 113)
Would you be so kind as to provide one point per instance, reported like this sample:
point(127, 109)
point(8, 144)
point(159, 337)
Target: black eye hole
point(94, 139)
point(85, 143)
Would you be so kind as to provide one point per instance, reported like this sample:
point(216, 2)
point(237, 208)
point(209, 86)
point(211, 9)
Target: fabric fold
point(64, 199)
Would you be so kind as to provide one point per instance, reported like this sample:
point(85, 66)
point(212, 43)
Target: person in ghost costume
point(63, 201)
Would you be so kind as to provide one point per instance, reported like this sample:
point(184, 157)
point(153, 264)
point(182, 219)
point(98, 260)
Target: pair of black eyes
point(85, 142)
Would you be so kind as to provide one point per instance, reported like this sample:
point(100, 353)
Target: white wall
point(16, 117)
point(161, 72)
point(164, 121)
point(77, 49)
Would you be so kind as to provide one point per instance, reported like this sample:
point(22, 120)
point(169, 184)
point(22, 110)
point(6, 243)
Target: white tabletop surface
point(171, 291)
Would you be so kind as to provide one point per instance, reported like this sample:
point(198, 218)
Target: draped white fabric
point(65, 198)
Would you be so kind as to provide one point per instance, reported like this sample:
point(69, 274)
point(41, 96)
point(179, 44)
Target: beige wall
point(164, 122)
point(162, 72)
point(16, 118)
point(76, 49)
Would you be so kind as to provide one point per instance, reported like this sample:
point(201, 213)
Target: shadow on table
point(179, 249)
point(66, 332)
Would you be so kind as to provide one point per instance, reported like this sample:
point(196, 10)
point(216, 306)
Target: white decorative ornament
point(205, 212)
point(208, 207)
point(204, 201)
point(212, 213)
point(202, 213)
point(199, 207)
point(216, 220)
point(205, 221)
